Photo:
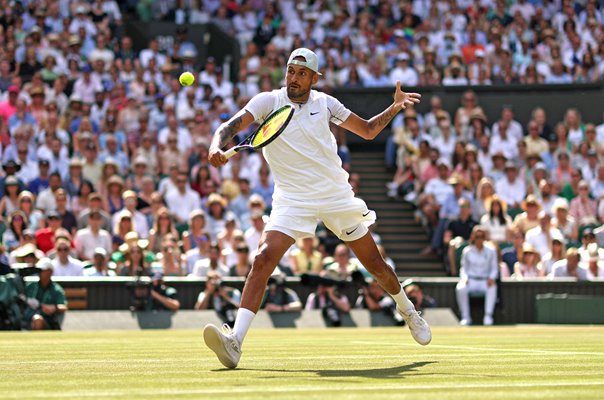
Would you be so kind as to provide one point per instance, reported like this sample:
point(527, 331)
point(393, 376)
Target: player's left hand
point(404, 100)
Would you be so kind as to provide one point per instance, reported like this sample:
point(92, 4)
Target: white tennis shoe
point(224, 343)
point(420, 330)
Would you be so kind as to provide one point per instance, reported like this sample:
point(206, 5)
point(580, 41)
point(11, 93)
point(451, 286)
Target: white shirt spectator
point(28, 172)
point(440, 189)
point(560, 270)
point(479, 264)
point(140, 223)
point(181, 204)
point(148, 54)
point(541, 240)
point(86, 90)
point(407, 76)
point(459, 81)
point(511, 192)
point(202, 268)
point(72, 268)
point(86, 241)
point(184, 138)
point(46, 200)
point(508, 146)
point(193, 256)
point(514, 131)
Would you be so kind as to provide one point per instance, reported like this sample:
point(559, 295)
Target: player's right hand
point(216, 157)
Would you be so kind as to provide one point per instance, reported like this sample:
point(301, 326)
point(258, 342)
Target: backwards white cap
point(311, 61)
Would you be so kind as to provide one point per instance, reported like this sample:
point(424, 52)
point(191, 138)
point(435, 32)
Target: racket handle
point(230, 152)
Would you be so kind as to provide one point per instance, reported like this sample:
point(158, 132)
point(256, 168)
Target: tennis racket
point(268, 131)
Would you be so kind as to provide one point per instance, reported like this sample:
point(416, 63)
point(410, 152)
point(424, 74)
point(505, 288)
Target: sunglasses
point(62, 249)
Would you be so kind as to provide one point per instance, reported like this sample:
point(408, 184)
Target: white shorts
point(346, 216)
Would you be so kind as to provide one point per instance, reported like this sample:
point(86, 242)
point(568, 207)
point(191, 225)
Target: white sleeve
point(261, 105)
point(338, 113)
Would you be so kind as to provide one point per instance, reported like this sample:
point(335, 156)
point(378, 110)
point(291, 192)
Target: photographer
point(417, 296)
point(329, 300)
point(224, 300)
point(163, 297)
point(278, 298)
point(45, 300)
point(373, 298)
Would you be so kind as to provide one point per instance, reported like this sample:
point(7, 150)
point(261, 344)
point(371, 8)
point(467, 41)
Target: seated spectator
point(64, 264)
point(13, 235)
point(26, 204)
point(139, 220)
point(220, 298)
point(563, 221)
point(216, 218)
point(478, 273)
point(68, 220)
point(122, 226)
point(496, 222)
point(331, 303)
point(134, 263)
point(594, 265)
point(45, 300)
point(182, 200)
point(557, 253)
point(92, 237)
point(197, 224)
point(213, 263)
point(583, 208)
point(27, 246)
point(100, 264)
point(530, 217)
point(95, 203)
point(170, 261)
point(587, 238)
point(201, 251)
point(512, 188)
point(280, 298)
point(458, 231)
point(569, 267)
point(45, 237)
point(163, 297)
point(254, 233)
point(305, 257)
point(225, 237)
point(243, 266)
point(343, 266)
point(9, 201)
point(540, 236)
point(529, 265)
point(162, 226)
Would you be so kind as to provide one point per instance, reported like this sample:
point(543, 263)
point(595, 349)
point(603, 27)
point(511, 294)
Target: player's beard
point(297, 93)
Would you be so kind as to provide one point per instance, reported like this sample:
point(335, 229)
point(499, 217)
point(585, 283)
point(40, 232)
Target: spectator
point(162, 226)
point(214, 263)
point(163, 297)
point(557, 253)
point(100, 264)
point(530, 217)
point(594, 265)
point(342, 266)
point(45, 300)
point(529, 265)
point(478, 273)
point(182, 200)
point(512, 188)
point(135, 263)
point(306, 258)
point(88, 240)
point(242, 267)
point(582, 208)
point(64, 264)
point(569, 267)
point(540, 236)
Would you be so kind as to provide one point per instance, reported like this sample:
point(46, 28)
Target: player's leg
point(226, 343)
point(368, 254)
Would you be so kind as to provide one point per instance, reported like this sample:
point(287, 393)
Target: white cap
point(100, 251)
point(479, 53)
point(311, 60)
point(44, 264)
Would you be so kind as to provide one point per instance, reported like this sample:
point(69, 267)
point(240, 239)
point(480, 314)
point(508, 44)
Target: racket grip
point(230, 152)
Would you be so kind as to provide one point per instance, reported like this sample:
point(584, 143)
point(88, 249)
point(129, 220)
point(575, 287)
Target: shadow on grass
point(376, 373)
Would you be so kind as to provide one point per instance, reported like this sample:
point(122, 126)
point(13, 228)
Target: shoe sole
point(212, 338)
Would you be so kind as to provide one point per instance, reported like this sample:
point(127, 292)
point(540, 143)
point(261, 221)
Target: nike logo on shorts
point(366, 214)
point(352, 231)
point(314, 113)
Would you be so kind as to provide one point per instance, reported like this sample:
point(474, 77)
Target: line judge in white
point(310, 184)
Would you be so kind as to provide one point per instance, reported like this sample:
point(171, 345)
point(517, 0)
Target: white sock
point(402, 301)
point(242, 323)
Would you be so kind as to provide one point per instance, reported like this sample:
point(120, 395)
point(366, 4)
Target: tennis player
point(310, 184)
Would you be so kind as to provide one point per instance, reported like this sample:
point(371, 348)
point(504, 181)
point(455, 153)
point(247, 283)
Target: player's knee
point(263, 264)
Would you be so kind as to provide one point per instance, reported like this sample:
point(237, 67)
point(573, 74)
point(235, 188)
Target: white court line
point(312, 389)
point(506, 350)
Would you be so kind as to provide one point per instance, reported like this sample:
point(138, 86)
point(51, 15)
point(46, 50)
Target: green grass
point(531, 362)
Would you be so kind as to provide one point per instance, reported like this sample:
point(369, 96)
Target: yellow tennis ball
point(186, 79)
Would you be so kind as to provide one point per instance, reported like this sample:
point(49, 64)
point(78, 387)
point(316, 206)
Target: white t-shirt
point(304, 159)
point(72, 268)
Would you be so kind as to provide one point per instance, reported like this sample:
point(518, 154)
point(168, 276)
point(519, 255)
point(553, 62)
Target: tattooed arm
point(225, 133)
point(369, 129)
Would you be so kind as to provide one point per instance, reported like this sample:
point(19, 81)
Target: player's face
point(299, 81)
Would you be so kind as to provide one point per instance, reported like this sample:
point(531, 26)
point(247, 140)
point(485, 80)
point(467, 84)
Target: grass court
point(525, 362)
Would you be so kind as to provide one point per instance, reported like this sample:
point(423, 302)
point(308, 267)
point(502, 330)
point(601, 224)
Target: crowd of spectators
point(535, 188)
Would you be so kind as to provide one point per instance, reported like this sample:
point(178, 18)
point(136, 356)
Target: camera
point(140, 292)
